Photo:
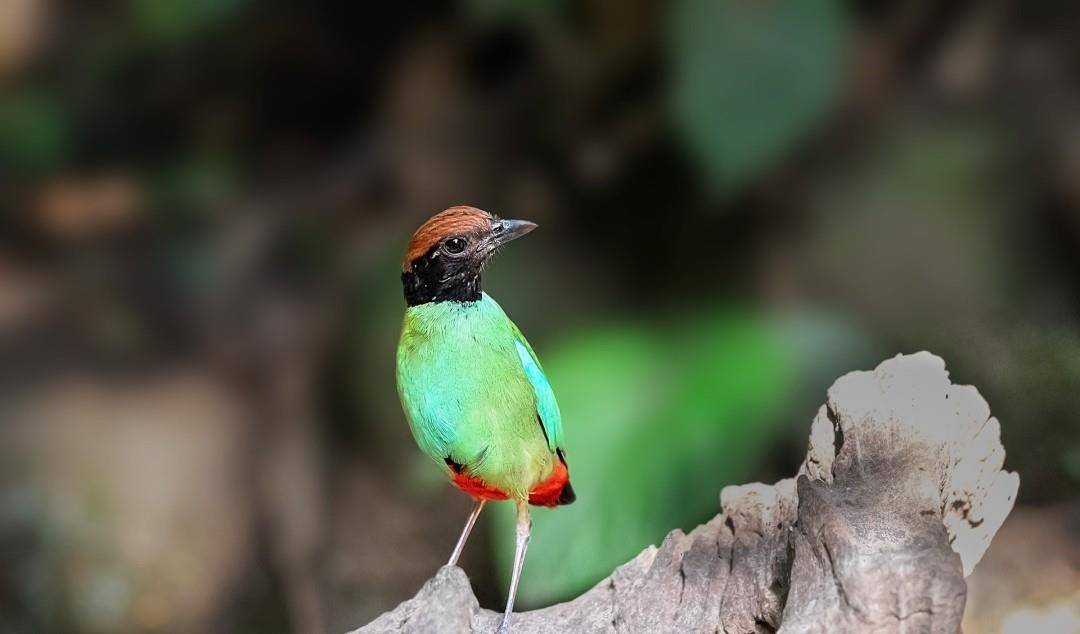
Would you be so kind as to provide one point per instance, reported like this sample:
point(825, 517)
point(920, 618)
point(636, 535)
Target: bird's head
point(448, 252)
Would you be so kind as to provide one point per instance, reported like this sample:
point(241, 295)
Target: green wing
point(546, 406)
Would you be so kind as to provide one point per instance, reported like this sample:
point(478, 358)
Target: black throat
point(435, 278)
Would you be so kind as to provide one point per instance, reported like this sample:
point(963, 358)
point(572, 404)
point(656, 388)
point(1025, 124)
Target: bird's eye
point(455, 245)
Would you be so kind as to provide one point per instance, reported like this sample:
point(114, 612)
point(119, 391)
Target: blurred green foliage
point(33, 132)
point(191, 191)
point(657, 420)
point(752, 79)
point(167, 22)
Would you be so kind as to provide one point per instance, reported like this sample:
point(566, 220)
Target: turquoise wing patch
point(546, 405)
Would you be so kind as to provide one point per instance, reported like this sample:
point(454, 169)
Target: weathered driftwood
point(900, 493)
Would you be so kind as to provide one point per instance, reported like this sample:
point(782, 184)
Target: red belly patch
point(477, 487)
point(550, 492)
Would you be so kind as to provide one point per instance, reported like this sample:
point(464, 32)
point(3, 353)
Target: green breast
point(467, 396)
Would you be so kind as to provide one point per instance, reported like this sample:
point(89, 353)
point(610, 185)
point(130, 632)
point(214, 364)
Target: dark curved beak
point(503, 231)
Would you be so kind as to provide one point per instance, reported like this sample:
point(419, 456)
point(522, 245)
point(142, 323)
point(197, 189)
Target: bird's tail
point(567, 495)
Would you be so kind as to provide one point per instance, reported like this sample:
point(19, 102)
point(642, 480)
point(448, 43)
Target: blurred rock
point(142, 521)
point(80, 207)
point(22, 29)
point(1030, 580)
point(24, 296)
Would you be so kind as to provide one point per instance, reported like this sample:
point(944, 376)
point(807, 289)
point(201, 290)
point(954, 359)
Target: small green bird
point(477, 401)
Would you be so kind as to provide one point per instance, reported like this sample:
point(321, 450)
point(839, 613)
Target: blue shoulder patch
point(546, 406)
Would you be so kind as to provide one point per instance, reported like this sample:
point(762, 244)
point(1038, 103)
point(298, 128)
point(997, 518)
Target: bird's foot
point(504, 625)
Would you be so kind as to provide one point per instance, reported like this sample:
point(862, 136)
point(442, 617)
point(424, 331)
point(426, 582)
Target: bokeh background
point(204, 204)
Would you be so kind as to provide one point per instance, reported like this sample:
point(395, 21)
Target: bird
point(475, 396)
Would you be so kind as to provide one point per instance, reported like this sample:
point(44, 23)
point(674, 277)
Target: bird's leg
point(469, 523)
point(524, 528)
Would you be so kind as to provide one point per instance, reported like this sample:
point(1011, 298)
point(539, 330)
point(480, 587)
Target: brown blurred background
point(203, 206)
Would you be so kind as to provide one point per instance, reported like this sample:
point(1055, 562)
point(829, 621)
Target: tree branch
point(898, 498)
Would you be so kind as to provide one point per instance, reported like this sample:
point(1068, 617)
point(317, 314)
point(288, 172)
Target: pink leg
point(524, 528)
point(479, 506)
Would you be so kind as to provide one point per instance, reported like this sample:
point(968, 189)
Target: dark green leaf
point(168, 21)
point(33, 132)
point(752, 78)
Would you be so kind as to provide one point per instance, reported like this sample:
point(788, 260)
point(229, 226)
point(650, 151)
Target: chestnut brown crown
point(459, 220)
